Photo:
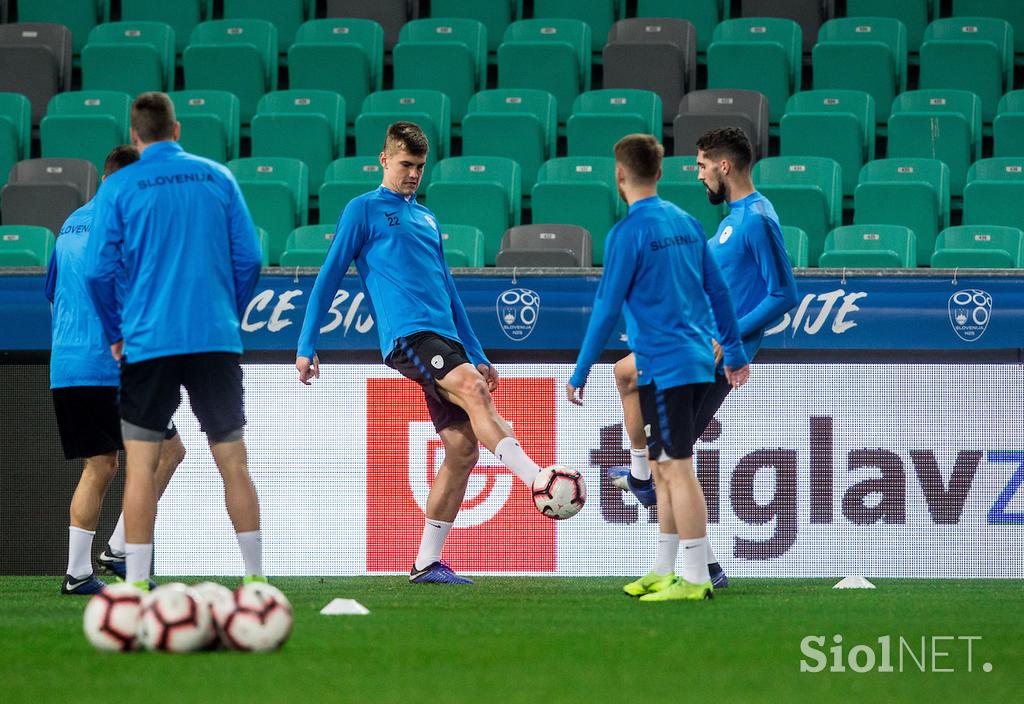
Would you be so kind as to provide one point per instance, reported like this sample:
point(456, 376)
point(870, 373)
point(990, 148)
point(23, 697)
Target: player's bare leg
point(141, 460)
point(97, 471)
point(241, 500)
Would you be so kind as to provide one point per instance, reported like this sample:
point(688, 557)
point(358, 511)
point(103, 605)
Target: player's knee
point(625, 377)
point(474, 390)
point(101, 468)
point(173, 451)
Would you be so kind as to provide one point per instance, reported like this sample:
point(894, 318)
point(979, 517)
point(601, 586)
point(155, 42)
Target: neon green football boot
point(649, 583)
point(682, 591)
point(255, 579)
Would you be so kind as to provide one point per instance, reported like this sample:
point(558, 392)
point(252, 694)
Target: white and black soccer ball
point(559, 492)
point(261, 619)
point(111, 619)
point(175, 619)
point(220, 601)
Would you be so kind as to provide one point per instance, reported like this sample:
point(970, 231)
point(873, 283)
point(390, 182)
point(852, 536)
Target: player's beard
point(717, 196)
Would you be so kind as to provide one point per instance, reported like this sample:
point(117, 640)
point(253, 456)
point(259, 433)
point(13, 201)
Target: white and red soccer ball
point(559, 492)
point(260, 621)
point(175, 619)
point(111, 619)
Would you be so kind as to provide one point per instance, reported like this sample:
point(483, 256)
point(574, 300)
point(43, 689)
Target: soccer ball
point(559, 492)
point(175, 619)
point(220, 601)
point(261, 619)
point(111, 617)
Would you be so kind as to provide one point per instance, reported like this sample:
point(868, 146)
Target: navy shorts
point(425, 357)
point(670, 417)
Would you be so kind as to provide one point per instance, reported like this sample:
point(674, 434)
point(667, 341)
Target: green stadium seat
point(307, 246)
point(909, 192)
point(598, 14)
point(969, 53)
point(303, 124)
point(430, 109)
point(1008, 125)
point(132, 57)
point(264, 245)
point(463, 245)
point(181, 15)
point(344, 180)
point(210, 123)
point(286, 15)
point(795, 241)
point(345, 56)
point(549, 54)
point(15, 131)
point(915, 15)
point(1010, 10)
point(940, 124)
point(25, 245)
point(495, 15)
point(449, 55)
point(839, 124)
point(239, 56)
point(679, 185)
point(863, 53)
point(994, 194)
point(869, 246)
point(773, 45)
point(578, 190)
point(600, 118)
point(979, 247)
point(806, 191)
point(79, 16)
point(704, 14)
point(483, 191)
point(275, 189)
point(85, 125)
point(521, 124)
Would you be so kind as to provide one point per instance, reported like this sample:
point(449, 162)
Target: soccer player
point(176, 228)
point(658, 263)
point(749, 250)
point(83, 380)
point(424, 331)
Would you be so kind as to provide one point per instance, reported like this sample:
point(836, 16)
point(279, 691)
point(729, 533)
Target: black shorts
point(89, 422)
point(670, 419)
point(425, 357)
point(713, 400)
point(151, 391)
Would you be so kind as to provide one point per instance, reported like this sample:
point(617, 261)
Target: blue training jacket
point(396, 245)
point(749, 249)
point(79, 355)
point(178, 226)
point(659, 263)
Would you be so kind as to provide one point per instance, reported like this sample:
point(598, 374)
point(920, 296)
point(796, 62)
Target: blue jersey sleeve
point(769, 253)
point(50, 285)
point(620, 264)
point(104, 267)
point(474, 350)
point(724, 312)
point(349, 237)
point(246, 257)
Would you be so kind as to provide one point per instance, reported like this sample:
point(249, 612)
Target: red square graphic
point(498, 528)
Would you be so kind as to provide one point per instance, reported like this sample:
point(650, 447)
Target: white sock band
point(665, 559)
point(80, 552)
point(510, 454)
point(695, 564)
point(251, 544)
point(639, 467)
point(435, 532)
point(116, 541)
point(138, 557)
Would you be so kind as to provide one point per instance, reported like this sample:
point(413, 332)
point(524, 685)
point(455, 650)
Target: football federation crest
point(518, 310)
point(969, 313)
point(726, 233)
point(432, 222)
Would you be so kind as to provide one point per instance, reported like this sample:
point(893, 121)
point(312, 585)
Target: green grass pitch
point(535, 640)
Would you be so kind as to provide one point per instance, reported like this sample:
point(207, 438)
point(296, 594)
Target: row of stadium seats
point(450, 54)
point(521, 124)
point(82, 15)
point(851, 246)
point(487, 193)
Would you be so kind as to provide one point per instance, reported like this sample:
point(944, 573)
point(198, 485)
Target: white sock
point(665, 560)
point(435, 532)
point(639, 467)
point(137, 560)
point(80, 552)
point(695, 564)
point(709, 552)
point(510, 454)
point(251, 543)
point(116, 541)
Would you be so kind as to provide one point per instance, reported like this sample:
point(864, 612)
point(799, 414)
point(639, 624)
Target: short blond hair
point(640, 155)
